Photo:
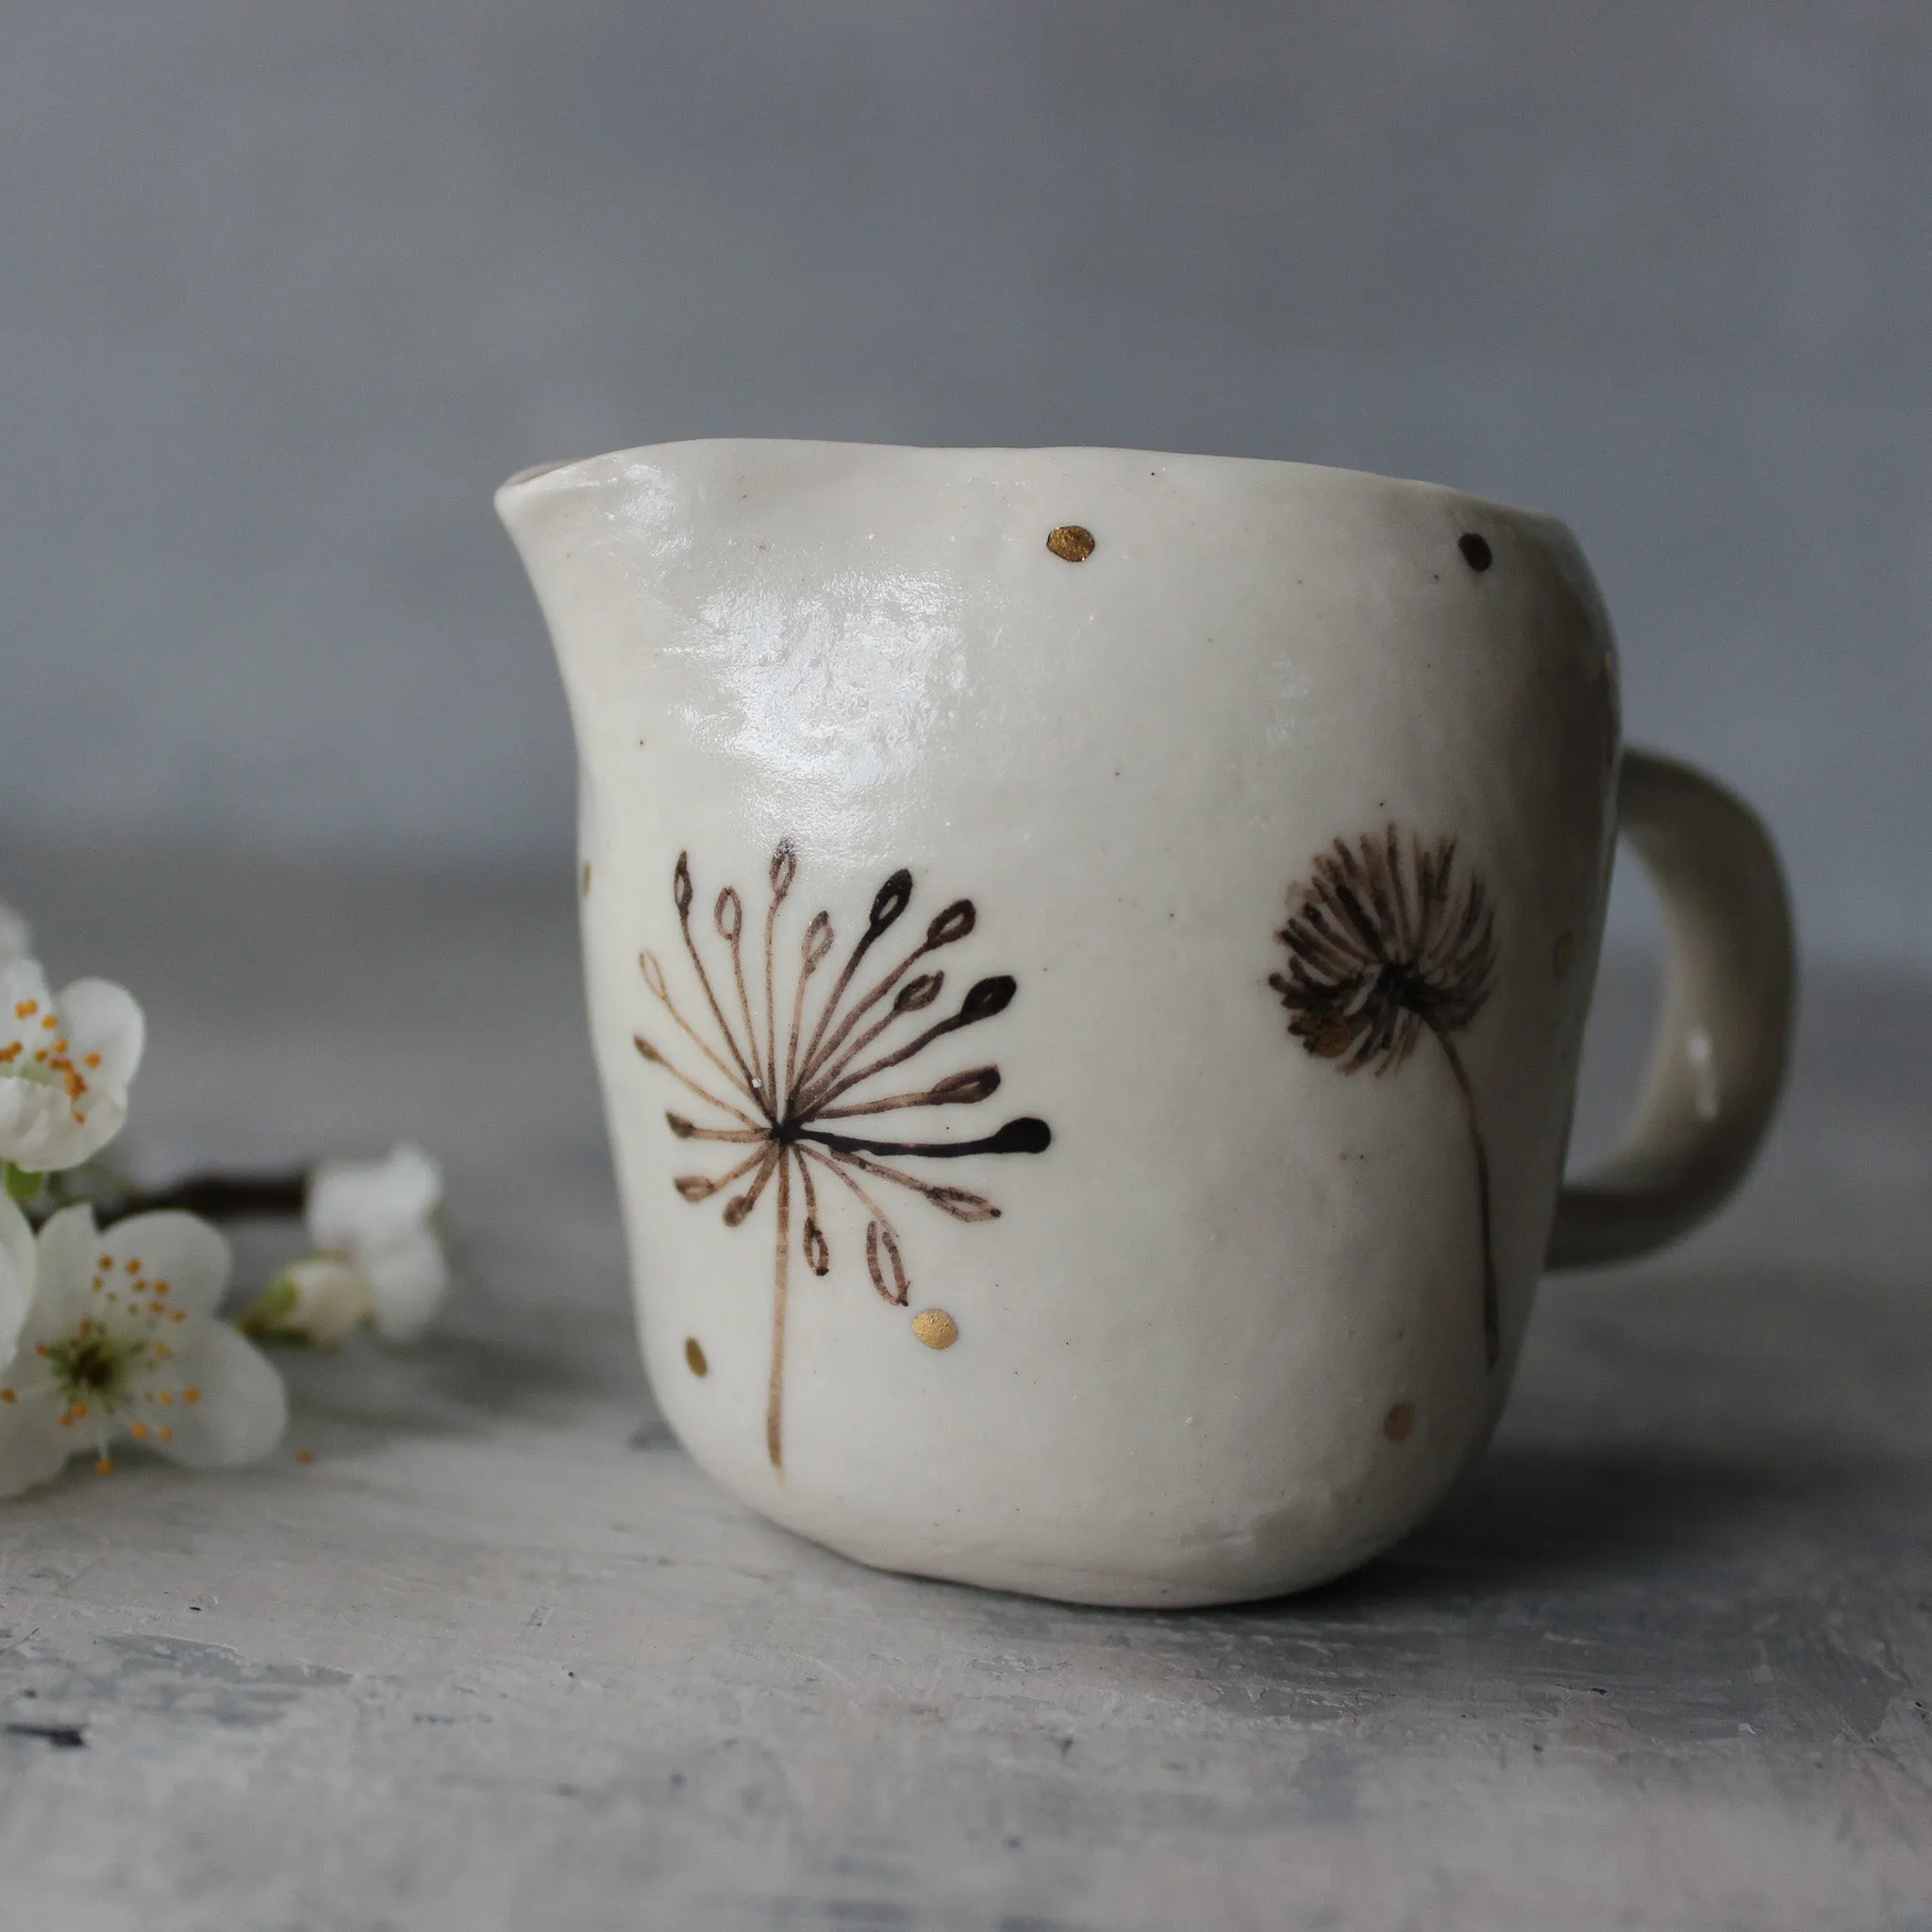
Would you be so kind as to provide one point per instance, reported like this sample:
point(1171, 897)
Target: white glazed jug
point(1087, 957)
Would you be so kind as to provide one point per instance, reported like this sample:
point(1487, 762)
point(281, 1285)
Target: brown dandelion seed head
point(1071, 542)
point(806, 1083)
point(1385, 938)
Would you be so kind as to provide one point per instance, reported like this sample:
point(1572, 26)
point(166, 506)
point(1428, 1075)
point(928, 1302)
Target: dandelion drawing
point(1385, 941)
point(783, 1071)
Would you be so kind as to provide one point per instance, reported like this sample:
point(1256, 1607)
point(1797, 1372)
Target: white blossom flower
point(66, 1062)
point(379, 1260)
point(121, 1338)
point(379, 1216)
point(316, 1303)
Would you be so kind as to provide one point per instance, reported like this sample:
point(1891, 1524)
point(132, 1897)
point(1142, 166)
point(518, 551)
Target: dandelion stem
point(774, 1395)
point(1492, 1319)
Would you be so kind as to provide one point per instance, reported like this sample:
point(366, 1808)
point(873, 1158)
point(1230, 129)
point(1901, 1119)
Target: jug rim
point(608, 465)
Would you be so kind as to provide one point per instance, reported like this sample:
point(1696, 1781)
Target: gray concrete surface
point(289, 289)
point(500, 1658)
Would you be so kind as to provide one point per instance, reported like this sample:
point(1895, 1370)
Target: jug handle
point(1723, 1039)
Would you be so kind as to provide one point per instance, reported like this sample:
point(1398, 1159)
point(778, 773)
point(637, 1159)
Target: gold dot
point(305, 1455)
point(587, 879)
point(935, 1327)
point(1565, 952)
point(694, 1357)
point(1076, 545)
point(1398, 1424)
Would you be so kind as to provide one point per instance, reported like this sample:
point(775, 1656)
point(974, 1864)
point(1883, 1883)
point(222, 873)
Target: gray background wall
point(284, 291)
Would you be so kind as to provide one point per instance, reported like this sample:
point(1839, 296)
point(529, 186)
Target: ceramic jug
point(1087, 957)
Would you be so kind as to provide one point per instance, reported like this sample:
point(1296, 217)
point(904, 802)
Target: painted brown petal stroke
point(698, 1187)
point(681, 886)
point(690, 1130)
point(740, 1206)
point(818, 1254)
point(784, 868)
point(956, 1089)
point(965, 1089)
point(1027, 1135)
point(962, 1205)
point(889, 902)
point(817, 942)
point(879, 1243)
point(727, 915)
point(917, 995)
point(953, 923)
